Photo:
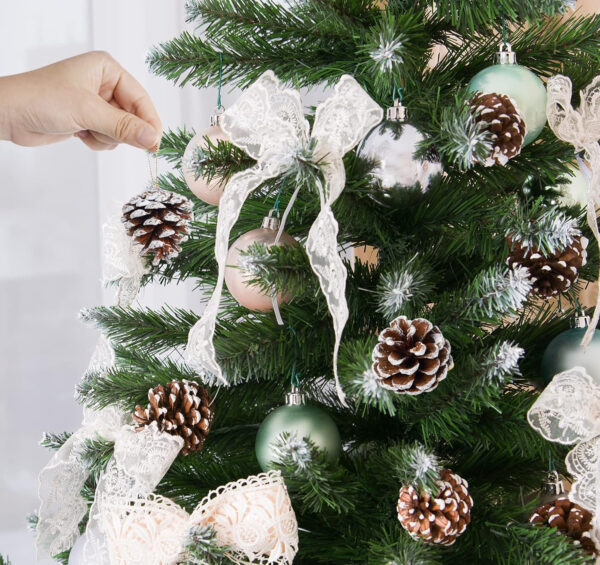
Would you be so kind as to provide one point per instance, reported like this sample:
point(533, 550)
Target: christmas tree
point(422, 453)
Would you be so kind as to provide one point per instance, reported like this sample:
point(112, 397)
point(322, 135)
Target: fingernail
point(147, 136)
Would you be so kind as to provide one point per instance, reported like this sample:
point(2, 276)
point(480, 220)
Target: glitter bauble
point(239, 270)
point(393, 148)
point(208, 191)
point(523, 86)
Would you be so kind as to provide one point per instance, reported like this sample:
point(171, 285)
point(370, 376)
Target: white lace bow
point(580, 128)
point(253, 517)
point(268, 122)
point(567, 412)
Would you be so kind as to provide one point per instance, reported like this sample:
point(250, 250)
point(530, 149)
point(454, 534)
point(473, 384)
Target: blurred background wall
point(53, 201)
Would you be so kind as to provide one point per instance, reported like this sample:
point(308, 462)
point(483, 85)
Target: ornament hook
point(506, 56)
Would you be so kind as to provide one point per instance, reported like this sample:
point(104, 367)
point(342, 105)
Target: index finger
point(133, 98)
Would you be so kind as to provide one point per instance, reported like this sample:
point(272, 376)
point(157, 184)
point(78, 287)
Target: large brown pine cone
point(180, 409)
point(503, 120)
point(551, 274)
point(412, 356)
point(569, 518)
point(439, 519)
point(159, 221)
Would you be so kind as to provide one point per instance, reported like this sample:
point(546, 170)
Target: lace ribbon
point(61, 505)
point(567, 412)
point(268, 122)
point(253, 517)
point(580, 128)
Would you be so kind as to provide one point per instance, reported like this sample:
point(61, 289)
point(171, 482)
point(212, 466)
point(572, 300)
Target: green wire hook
point(295, 377)
point(219, 106)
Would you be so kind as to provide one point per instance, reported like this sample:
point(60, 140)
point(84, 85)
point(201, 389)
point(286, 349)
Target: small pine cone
point(505, 123)
point(550, 274)
point(412, 356)
point(568, 518)
point(180, 409)
point(438, 520)
point(158, 220)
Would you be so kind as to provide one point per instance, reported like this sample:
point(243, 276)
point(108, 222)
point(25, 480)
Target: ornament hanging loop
point(506, 56)
point(153, 174)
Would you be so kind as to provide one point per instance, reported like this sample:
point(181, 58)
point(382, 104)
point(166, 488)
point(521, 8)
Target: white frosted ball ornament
point(208, 191)
point(239, 271)
point(392, 145)
point(575, 190)
point(520, 84)
point(76, 554)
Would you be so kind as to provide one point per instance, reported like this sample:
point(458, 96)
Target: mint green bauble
point(565, 352)
point(523, 86)
point(301, 421)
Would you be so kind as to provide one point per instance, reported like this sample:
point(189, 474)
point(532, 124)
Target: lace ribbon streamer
point(268, 122)
point(580, 128)
point(61, 505)
point(567, 412)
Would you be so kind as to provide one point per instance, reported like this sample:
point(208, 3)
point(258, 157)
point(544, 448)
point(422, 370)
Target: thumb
point(122, 126)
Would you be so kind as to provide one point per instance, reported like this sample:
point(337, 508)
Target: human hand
point(90, 96)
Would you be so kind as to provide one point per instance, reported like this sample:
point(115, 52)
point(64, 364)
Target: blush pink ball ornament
point(209, 192)
point(237, 278)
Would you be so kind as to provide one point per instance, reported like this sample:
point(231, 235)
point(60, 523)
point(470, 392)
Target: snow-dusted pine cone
point(158, 220)
point(569, 518)
point(412, 356)
point(551, 274)
point(440, 519)
point(504, 122)
point(180, 409)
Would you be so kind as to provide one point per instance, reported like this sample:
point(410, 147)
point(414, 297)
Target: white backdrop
point(53, 201)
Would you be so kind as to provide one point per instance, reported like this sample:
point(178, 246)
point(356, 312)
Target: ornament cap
point(295, 397)
point(552, 485)
point(397, 112)
point(506, 56)
point(272, 221)
point(215, 119)
point(580, 321)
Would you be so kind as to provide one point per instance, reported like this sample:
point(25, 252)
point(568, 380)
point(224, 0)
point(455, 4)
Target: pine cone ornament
point(439, 519)
point(503, 120)
point(158, 220)
point(412, 356)
point(568, 518)
point(180, 409)
point(551, 274)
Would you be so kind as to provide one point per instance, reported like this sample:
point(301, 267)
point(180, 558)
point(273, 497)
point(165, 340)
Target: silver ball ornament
point(238, 275)
point(208, 191)
point(393, 148)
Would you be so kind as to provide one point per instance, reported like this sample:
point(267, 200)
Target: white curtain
point(53, 201)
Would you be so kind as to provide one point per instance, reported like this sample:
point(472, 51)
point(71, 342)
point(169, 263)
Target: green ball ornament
point(301, 420)
point(565, 352)
point(521, 84)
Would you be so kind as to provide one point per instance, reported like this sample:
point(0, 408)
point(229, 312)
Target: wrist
point(7, 107)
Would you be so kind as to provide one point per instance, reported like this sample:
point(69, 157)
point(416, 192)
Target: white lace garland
point(268, 122)
point(567, 412)
point(580, 128)
point(61, 505)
